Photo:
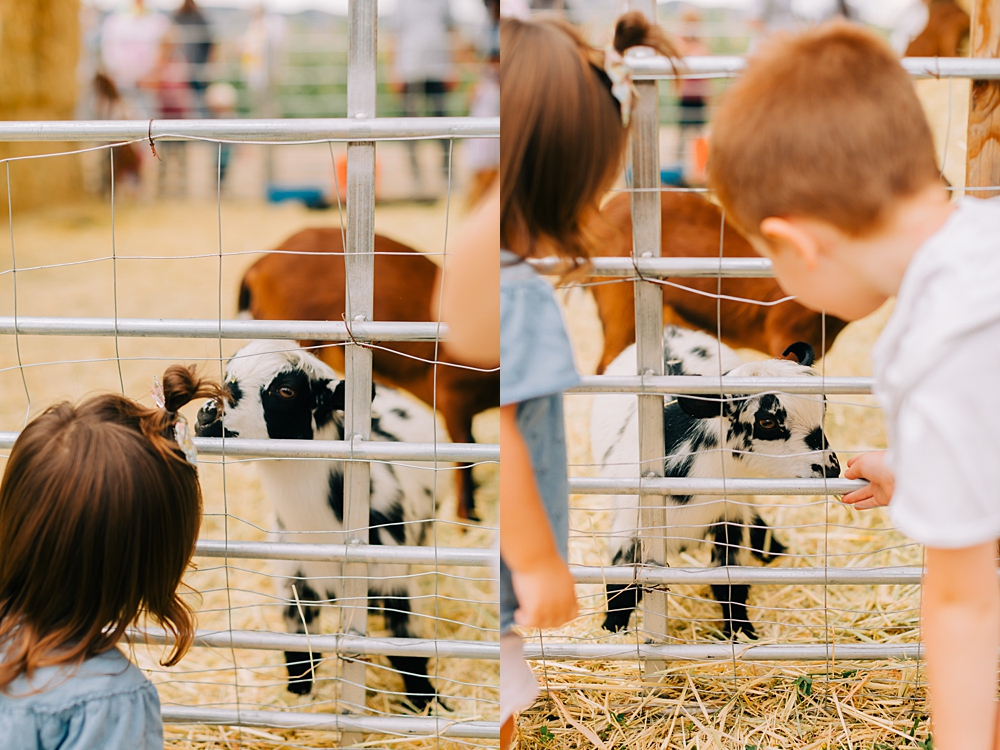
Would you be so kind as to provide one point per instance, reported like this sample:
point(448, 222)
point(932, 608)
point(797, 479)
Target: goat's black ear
point(703, 408)
point(339, 396)
point(803, 352)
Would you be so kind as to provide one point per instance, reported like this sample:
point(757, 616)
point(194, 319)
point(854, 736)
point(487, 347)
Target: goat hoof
point(615, 623)
point(738, 627)
point(301, 686)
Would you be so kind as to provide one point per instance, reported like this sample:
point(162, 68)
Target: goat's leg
point(761, 547)
point(459, 425)
point(301, 664)
point(733, 597)
point(413, 669)
point(622, 598)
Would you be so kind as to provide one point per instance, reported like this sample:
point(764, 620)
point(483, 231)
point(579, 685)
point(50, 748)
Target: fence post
point(983, 159)
point(645, 165)
point(360, 274)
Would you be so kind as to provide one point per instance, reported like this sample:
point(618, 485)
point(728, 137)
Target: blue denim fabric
point(536, 366)
point(535, 355)
point(104, 704)
point(541, 423)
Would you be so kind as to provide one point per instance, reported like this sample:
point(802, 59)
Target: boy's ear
point(789, 235)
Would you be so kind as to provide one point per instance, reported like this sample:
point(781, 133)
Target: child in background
point(99, 512)
point(822, 154)
point(564, 111)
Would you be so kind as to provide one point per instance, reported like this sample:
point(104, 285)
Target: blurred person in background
point(130, 52)
point(260, 52)
point(482, 155)
point(514, 9)
point(768, 16)
point(195, 43)
point(422, 67)
point(694, 92)
point(220, 101)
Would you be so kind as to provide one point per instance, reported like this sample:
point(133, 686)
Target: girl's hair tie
point(622, 87)
point(182, 432)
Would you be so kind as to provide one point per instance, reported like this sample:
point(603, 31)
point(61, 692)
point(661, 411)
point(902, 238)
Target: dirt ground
point(169, 265)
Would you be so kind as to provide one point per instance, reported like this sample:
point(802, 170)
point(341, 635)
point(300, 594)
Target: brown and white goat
point(947, 27)
point(690, 227)
point(312, 287)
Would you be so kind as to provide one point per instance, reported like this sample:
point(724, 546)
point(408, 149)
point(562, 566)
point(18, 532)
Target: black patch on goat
point(335, 498)
point(287, 402)
point(622, 598)
point(235, 392)
point(733, 598)
point(323, 402)
point(413, 669)
point(761, 547)
point(700, 352)
point(301, 665)
point(816, 440)
point(391, 521)
point(401, 413)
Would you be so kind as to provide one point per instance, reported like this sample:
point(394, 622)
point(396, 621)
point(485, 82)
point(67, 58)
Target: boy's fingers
point(851, 461)
point(851, 498)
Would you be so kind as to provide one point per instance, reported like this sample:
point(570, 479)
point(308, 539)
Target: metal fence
point(814, 621)
point(237, 589)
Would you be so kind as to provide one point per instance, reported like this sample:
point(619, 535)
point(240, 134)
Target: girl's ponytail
point(635, 30)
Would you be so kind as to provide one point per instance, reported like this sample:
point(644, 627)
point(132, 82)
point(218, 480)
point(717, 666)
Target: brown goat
point(690, 227)
point(312, 287)
point(947, 25)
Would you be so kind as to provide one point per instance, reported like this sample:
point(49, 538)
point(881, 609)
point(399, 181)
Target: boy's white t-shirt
point(937, 372)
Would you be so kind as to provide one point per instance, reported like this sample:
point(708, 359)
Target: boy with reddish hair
point(822, 155)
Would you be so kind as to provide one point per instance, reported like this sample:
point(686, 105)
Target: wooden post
point(983, 160)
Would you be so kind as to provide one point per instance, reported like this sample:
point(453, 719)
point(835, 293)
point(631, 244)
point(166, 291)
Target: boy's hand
point(545, 594)
point(870, 466)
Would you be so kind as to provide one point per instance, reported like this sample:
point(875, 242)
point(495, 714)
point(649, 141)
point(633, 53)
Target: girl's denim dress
point(536, 366)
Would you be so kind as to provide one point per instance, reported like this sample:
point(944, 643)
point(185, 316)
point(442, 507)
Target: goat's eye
point(286, 392)
point(766, 423)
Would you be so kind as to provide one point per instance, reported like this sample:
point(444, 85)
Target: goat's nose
point(833, 467)
point(207, 414)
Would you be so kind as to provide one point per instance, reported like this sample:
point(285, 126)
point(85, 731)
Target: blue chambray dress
point(536, 366)
point(105, 703)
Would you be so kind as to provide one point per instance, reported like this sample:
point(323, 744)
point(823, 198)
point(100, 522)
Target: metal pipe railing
point(720, 652)
point(729, 66)
point(358, 450)
point(345, 646)
point(298, 330)
point(332, 722)
point(693, 486)
point(652, 575)
point(706, 385)
point(659, 268)
point(368, 553)
point(268, 131)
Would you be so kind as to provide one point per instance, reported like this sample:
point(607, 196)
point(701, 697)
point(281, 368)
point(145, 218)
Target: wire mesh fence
point(103, 298)
point(832, 658)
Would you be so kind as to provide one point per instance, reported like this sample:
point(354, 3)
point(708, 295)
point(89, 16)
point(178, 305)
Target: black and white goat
point(763, 435)
point(278, 391)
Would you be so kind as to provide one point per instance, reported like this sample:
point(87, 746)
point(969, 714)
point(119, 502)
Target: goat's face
point(275, 391)
point(772, 435)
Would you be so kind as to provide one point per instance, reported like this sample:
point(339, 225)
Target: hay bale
point(39, 50)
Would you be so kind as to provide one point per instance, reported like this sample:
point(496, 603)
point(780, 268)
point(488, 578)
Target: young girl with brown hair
point(564, 113)
point(99, 512)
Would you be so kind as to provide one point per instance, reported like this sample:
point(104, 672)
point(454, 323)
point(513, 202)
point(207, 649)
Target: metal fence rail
point(366, 129)
point(357, 450)
point(706, 385)
point(390, 725)
point(369, 553)
point(648, 68)
point(300, 330)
